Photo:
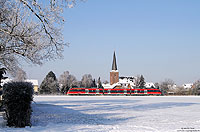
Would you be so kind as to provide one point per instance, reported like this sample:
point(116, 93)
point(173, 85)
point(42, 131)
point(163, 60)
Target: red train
point(127, 92)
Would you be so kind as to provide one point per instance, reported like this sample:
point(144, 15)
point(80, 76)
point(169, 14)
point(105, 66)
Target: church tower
point(114, 74)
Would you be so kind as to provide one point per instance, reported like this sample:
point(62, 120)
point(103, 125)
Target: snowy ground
point(113, 114)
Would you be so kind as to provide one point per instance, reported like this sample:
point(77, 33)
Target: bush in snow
point(17, 98)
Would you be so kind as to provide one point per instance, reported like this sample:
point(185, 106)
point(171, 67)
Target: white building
point(187, 85)
point(125, 81)
point(149, 85)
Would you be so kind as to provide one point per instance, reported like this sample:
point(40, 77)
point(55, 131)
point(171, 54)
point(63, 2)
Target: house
point(35, 84)
point(149, 85)
point(187, 86)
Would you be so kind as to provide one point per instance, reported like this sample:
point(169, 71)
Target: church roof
point(114, 64)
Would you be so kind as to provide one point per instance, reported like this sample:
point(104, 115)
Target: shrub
point(17, 97)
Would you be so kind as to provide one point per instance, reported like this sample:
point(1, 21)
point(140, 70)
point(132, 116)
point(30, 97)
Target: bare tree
point(63, 79)
point(166, 85)
point(87, 81)
point(195, 90)
point(157, 85)
point(20, 75)
point(137, 80)
point(180, 91)
point(67, 81)
point(31, 30)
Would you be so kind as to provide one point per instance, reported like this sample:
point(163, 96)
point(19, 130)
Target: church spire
point(114, 64)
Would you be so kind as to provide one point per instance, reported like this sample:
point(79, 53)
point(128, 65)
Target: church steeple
point(114, 64)
point(114, 74)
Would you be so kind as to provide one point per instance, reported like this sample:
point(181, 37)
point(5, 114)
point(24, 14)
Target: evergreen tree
point(49, 85)
point(94, 83)
point(141, 82)
point(99, 83)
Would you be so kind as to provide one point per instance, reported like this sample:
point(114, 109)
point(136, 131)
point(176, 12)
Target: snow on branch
point(31, 30)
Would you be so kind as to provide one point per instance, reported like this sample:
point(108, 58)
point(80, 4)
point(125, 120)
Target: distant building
point(35, 84)
point(172, 87)
point(125, 81)
point(149, 85)
point(187, 85)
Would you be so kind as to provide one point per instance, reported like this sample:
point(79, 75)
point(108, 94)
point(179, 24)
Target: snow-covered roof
point(188, 85)
point(127, 77)
point(114, 71)
point(111, 86)
point(34, 82)
point(149, 84)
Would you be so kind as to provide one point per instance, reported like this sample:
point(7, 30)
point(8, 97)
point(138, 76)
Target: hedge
point(17, 97)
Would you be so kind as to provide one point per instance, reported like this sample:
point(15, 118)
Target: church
point(119, 82)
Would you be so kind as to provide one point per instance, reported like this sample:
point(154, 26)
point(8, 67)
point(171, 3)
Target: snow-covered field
point(113, 114)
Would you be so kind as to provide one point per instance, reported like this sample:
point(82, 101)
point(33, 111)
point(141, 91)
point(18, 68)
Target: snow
point(112, 114)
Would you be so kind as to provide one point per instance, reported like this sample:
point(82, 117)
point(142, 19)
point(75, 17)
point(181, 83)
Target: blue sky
point(156, 38)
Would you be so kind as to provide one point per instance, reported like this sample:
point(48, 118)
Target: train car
point(126, 92)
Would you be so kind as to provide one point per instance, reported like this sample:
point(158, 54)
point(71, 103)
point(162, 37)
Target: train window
point(140, 91)
point(120, 91)
point(158, 90)
point(108, 91)
point(145, 91)
point(153, 91)
point(77, 90)
point(135, 91)
point(97, 91)
point(86, 91)
point(112, 91)
point(125, 91)
point(92, 91)
point(72, 90)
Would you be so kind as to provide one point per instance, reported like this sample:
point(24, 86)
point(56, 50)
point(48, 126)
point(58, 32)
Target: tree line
point(168, 87)
point(52, 85)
